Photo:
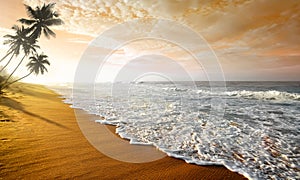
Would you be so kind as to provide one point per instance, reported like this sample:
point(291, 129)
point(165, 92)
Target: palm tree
point(19, 42)
point(41, 19)
point(36, 65)
point(15, 42)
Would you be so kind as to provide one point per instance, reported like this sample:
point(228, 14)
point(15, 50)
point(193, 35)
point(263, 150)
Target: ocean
point(249, 127)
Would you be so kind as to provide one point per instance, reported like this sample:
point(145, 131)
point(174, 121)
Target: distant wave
point(263, 95)
point(174, 89)
point(266, 95)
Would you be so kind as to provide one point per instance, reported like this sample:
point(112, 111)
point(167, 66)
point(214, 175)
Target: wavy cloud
point(238, 29)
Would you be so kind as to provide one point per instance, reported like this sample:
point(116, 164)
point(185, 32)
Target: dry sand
point(40, 139)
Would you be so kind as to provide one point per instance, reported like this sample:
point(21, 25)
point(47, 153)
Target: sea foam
point(257, 135)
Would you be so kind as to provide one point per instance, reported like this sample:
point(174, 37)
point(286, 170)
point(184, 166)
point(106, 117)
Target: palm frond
point(48, 7)
point(27, 21)
point(17, 50)
point(30, 12)
point(55, 14)
point(8, 36)
point(46, 62)
point(46, 10)
point(39, 13)
point(31, 29)
point(8, 41)
point(49, 31)
point(46, 33)
point(43, 56)
point(15, 27)
point(35, 47)
point(36, 33)
point(55, 22)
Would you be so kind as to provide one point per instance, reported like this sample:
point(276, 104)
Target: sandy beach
point(40, 139)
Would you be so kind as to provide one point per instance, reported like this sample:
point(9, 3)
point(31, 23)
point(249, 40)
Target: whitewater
point(254, 133)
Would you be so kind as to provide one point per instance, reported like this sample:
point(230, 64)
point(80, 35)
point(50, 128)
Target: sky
point(246, 39)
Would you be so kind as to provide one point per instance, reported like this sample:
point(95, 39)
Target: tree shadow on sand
point(38, 92)
point(11, 103)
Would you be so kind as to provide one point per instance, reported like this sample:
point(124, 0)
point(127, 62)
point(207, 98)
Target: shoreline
point(40, 138)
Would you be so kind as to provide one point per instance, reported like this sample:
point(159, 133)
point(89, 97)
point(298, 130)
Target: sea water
point(255, 131)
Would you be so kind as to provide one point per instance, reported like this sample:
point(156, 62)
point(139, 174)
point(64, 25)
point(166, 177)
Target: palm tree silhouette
point(25, 41)
point(41, 19)
point(16, 42)
point(36, 65)
point(19, 42)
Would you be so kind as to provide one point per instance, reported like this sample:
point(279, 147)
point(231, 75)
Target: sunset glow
point(253, 40)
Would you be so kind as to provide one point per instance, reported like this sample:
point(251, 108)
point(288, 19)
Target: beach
point(40, 139)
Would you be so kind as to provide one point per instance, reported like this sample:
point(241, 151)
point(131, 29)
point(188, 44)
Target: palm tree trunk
point(7, 63)
point(6, 85)
point(8, 53)
point(15, 69)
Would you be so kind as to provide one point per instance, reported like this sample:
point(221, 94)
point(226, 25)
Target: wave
point(261, 95)
point(175, 89)
point(265, 95)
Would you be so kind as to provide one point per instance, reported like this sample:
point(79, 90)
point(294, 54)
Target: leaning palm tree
point(16, 42)
point(20, 42)
point(40, 20)
point(36, 65)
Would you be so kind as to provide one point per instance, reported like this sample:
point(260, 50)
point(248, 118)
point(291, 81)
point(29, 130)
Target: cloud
point(257, 23)
point(94, 16)
point(238, 29)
